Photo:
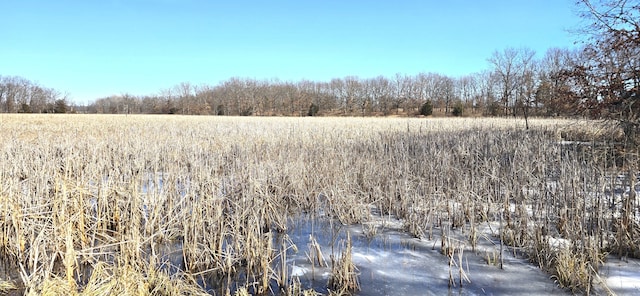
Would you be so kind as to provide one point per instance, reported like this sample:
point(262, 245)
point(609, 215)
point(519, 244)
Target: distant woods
point(19, 95)
point(489, 93)
point(495, 92)
point(516, 84)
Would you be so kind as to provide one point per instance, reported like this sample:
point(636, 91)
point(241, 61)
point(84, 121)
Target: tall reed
point(79, 193)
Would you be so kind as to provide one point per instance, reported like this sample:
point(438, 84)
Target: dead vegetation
point(89, 204)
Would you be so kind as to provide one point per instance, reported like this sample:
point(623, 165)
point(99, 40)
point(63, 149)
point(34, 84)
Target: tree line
point(20, 95)
point(517, 83)
point(516, 80)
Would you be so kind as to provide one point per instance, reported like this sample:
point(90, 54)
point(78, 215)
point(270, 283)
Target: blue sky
point(93, 49)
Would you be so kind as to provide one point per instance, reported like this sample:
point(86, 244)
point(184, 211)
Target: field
point(171, 205)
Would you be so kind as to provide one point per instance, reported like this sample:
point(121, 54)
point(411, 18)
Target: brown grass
point(83, 193)
point(344, 277)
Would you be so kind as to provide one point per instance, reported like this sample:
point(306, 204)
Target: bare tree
point(400, 91)
point(613, 63)
point(553, 95)
point(527, 81)
point(11, 91)
point(445, 90)
point(510, 66)
point(17, 94)
point(504, 66)
point(353, 93)
point(381, 94)
point(468, 91)
point(527, 89)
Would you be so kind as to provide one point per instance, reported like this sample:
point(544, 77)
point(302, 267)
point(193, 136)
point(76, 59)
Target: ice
point(622, 277)
point(298, 271)
point(395, 263)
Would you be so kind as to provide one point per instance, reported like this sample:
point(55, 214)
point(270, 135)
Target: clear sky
point(93, 49)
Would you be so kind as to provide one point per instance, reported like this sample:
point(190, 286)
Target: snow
point(558, 243)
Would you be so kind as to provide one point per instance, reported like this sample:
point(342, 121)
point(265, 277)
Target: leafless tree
point(527, 81)
point(445, 92)
point(613, 63)
point(510, 66)
point(504, 67)
point(468, 91)
point(381, 93)
point(553, 93)
point(17, 94)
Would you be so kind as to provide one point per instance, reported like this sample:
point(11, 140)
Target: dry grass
point(344, 277)
point(122, 280)
point(83, 193)
point(6, 286)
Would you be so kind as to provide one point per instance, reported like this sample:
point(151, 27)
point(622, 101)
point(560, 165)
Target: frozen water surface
point(394, 263)
point(622, 277)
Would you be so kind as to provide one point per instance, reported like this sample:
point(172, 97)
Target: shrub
point(247, 112)
point(313, 110)
point(426, 109)
point(493, 109)
point(24, 108)
point(220, 110)
point(60, 106)
point(457, 110)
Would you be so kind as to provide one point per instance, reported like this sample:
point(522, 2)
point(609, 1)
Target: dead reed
point(344, 277)
point(83, 197)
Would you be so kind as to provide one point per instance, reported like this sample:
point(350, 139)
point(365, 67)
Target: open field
point(166, 205)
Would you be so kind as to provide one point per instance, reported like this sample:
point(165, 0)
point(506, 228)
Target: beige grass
point(78, 190)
